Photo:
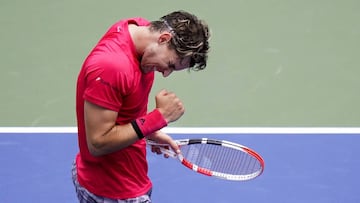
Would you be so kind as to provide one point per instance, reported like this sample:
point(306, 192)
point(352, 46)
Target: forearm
point(107, 137)
point(103, 136)
point(117, 138)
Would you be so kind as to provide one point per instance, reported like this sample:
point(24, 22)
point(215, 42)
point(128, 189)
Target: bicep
point(98, 122)
point(103, 135)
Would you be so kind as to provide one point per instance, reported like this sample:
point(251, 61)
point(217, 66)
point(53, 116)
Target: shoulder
point(136, 20)
point(113, 62)
point(114, 69)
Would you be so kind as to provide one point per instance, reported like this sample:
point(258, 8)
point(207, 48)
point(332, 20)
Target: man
point(112, 97)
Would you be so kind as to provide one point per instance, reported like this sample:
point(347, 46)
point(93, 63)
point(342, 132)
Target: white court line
point(205, 130)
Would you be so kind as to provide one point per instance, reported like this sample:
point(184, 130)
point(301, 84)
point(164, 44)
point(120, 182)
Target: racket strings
point(220, 159)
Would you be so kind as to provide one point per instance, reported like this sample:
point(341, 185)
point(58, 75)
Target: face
point(159, 57)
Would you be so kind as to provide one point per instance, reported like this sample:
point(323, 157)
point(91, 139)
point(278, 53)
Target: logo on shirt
point(108, 84)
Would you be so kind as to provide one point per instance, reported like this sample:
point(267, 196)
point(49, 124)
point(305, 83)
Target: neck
point(141, 37)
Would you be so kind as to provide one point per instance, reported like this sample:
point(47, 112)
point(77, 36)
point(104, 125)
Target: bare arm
point(104, 136)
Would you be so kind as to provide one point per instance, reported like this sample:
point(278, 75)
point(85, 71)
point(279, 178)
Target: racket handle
point(169, 152)
point(163, 150)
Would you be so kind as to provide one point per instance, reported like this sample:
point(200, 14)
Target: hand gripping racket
point(216, 158)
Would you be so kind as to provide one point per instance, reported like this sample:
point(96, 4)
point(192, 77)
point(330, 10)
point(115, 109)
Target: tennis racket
point(216, 158)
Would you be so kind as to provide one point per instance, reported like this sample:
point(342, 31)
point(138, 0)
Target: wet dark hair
point(190, 36)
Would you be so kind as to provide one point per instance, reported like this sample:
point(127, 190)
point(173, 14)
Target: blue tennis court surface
point(318, 167)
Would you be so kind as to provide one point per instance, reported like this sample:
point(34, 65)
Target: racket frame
point(205, 171)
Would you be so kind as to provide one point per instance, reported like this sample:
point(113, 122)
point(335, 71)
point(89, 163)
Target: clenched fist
point(169, 105)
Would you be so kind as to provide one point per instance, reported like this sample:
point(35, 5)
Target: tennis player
point(112, 97)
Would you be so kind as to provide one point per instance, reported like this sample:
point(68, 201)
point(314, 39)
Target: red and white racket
point(216, 158)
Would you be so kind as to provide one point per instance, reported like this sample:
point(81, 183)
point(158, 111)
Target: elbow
point(95, 152)
point(95, 148)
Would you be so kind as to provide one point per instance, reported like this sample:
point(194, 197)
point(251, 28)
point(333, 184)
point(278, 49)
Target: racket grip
point(169, 152)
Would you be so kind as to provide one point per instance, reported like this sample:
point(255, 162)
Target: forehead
point(178, 63)
point(182, 63)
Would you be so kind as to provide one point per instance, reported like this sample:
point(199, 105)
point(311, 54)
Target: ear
point(164, 37)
